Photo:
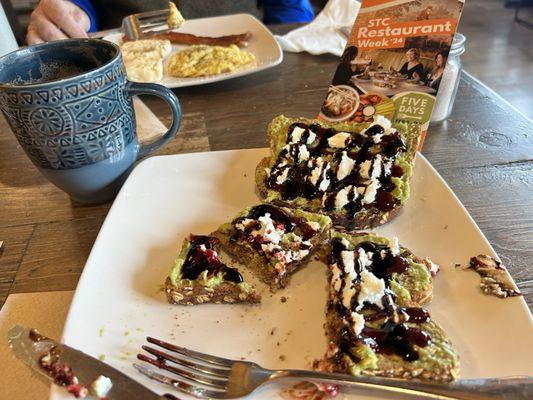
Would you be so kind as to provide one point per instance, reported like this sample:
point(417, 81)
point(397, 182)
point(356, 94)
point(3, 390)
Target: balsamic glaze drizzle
point(202, 257)
point(359, 147)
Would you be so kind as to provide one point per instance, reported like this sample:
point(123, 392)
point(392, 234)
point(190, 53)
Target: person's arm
point(286, 11)
point(56, 20)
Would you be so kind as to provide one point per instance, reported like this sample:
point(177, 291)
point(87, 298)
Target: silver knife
point(60, 363)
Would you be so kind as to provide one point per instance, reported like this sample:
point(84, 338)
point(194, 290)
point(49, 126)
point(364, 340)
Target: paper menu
point(393, 62)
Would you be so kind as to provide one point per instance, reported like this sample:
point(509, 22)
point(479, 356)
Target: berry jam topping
point(202, 256)
point(396, 339)
point(417, 314)
point(396, 171)
point(315, 175)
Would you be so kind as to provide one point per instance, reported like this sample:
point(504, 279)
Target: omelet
point(143, 59)
point(203, 60)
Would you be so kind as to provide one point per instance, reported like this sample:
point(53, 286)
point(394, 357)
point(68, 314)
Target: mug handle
point(135, 88)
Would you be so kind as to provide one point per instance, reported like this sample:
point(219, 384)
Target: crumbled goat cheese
point(372, 290)
point(363, 258)
point(296, 135)
point(345, 166)
point(377, 138)
point(325, 180)
point(348, 260)
point(376, 167)
point(387, 167)
point(315, 173)
point(281, 178)
point(339, 140)
point(101, 386)
point(358, 322)
point(345, 243)
point(336, 277)
point(303, 153)
point(341, 198)
point(364, 169)
point(348, 292)
point(268, 231)
point(311, 138)
point(370, 192)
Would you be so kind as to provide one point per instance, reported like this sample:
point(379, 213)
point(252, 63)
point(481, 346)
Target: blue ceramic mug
point(69, 105)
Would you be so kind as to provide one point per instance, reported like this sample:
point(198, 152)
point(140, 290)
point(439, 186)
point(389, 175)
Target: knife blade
point(65, 366)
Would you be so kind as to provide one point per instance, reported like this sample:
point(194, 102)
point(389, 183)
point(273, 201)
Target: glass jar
point(450, 80)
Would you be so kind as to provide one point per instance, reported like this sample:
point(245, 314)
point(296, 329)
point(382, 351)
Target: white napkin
point(323, 34)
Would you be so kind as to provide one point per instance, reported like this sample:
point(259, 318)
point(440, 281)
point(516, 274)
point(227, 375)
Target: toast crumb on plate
point(374, 321)
point(358, 174)
point(273, 241)
point(495, 280)
point(198, 276)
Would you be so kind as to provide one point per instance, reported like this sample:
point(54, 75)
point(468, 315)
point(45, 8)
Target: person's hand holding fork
point(55, 20)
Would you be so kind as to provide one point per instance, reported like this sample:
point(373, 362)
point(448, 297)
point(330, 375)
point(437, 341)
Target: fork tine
point(206, 358)
point(181, 386)
point(154, 20)
point(181, 373)
point(210, 372)
point(150, 14)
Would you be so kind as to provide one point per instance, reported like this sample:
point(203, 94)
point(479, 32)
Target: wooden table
point(484, 151)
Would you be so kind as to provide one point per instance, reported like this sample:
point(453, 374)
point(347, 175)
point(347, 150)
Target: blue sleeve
point(285, 11)
point(87, 6)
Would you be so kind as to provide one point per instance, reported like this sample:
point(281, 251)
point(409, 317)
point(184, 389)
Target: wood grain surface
point(484, 151)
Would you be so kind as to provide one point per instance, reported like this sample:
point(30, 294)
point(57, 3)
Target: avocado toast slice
point(198, 276)
point(374, 321)
point(358, 174)
point(273, 242)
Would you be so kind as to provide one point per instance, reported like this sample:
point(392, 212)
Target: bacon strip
point(240, 40)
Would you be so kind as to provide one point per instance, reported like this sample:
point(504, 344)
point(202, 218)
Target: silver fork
point(140, 26)
point(206, 376)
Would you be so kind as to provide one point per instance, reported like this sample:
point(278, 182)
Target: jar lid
point(458, 44)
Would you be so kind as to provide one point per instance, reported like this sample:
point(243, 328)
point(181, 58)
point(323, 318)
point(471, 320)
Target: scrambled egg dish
point(175, 19)
point(202, 60)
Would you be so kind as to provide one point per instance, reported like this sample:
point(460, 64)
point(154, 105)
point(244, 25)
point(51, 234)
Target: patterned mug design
point(79, 120)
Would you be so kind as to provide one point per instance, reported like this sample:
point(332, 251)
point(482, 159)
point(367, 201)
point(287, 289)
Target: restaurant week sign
point(393, 62)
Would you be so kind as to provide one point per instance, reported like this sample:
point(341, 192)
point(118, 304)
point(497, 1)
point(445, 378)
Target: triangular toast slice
point(198, 276)
point(374, 321)
point(358, 174)
point(273, 242)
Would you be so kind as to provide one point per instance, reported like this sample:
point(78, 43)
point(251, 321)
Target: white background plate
point(262, 44)
point(168, 197)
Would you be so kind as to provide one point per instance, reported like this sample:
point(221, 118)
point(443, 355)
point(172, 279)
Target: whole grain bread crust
point(225, 292)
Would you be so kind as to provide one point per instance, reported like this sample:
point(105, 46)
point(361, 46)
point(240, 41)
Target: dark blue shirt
point(275, 11)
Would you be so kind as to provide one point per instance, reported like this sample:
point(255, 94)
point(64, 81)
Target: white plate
point(262, 44)
point(167, 197)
